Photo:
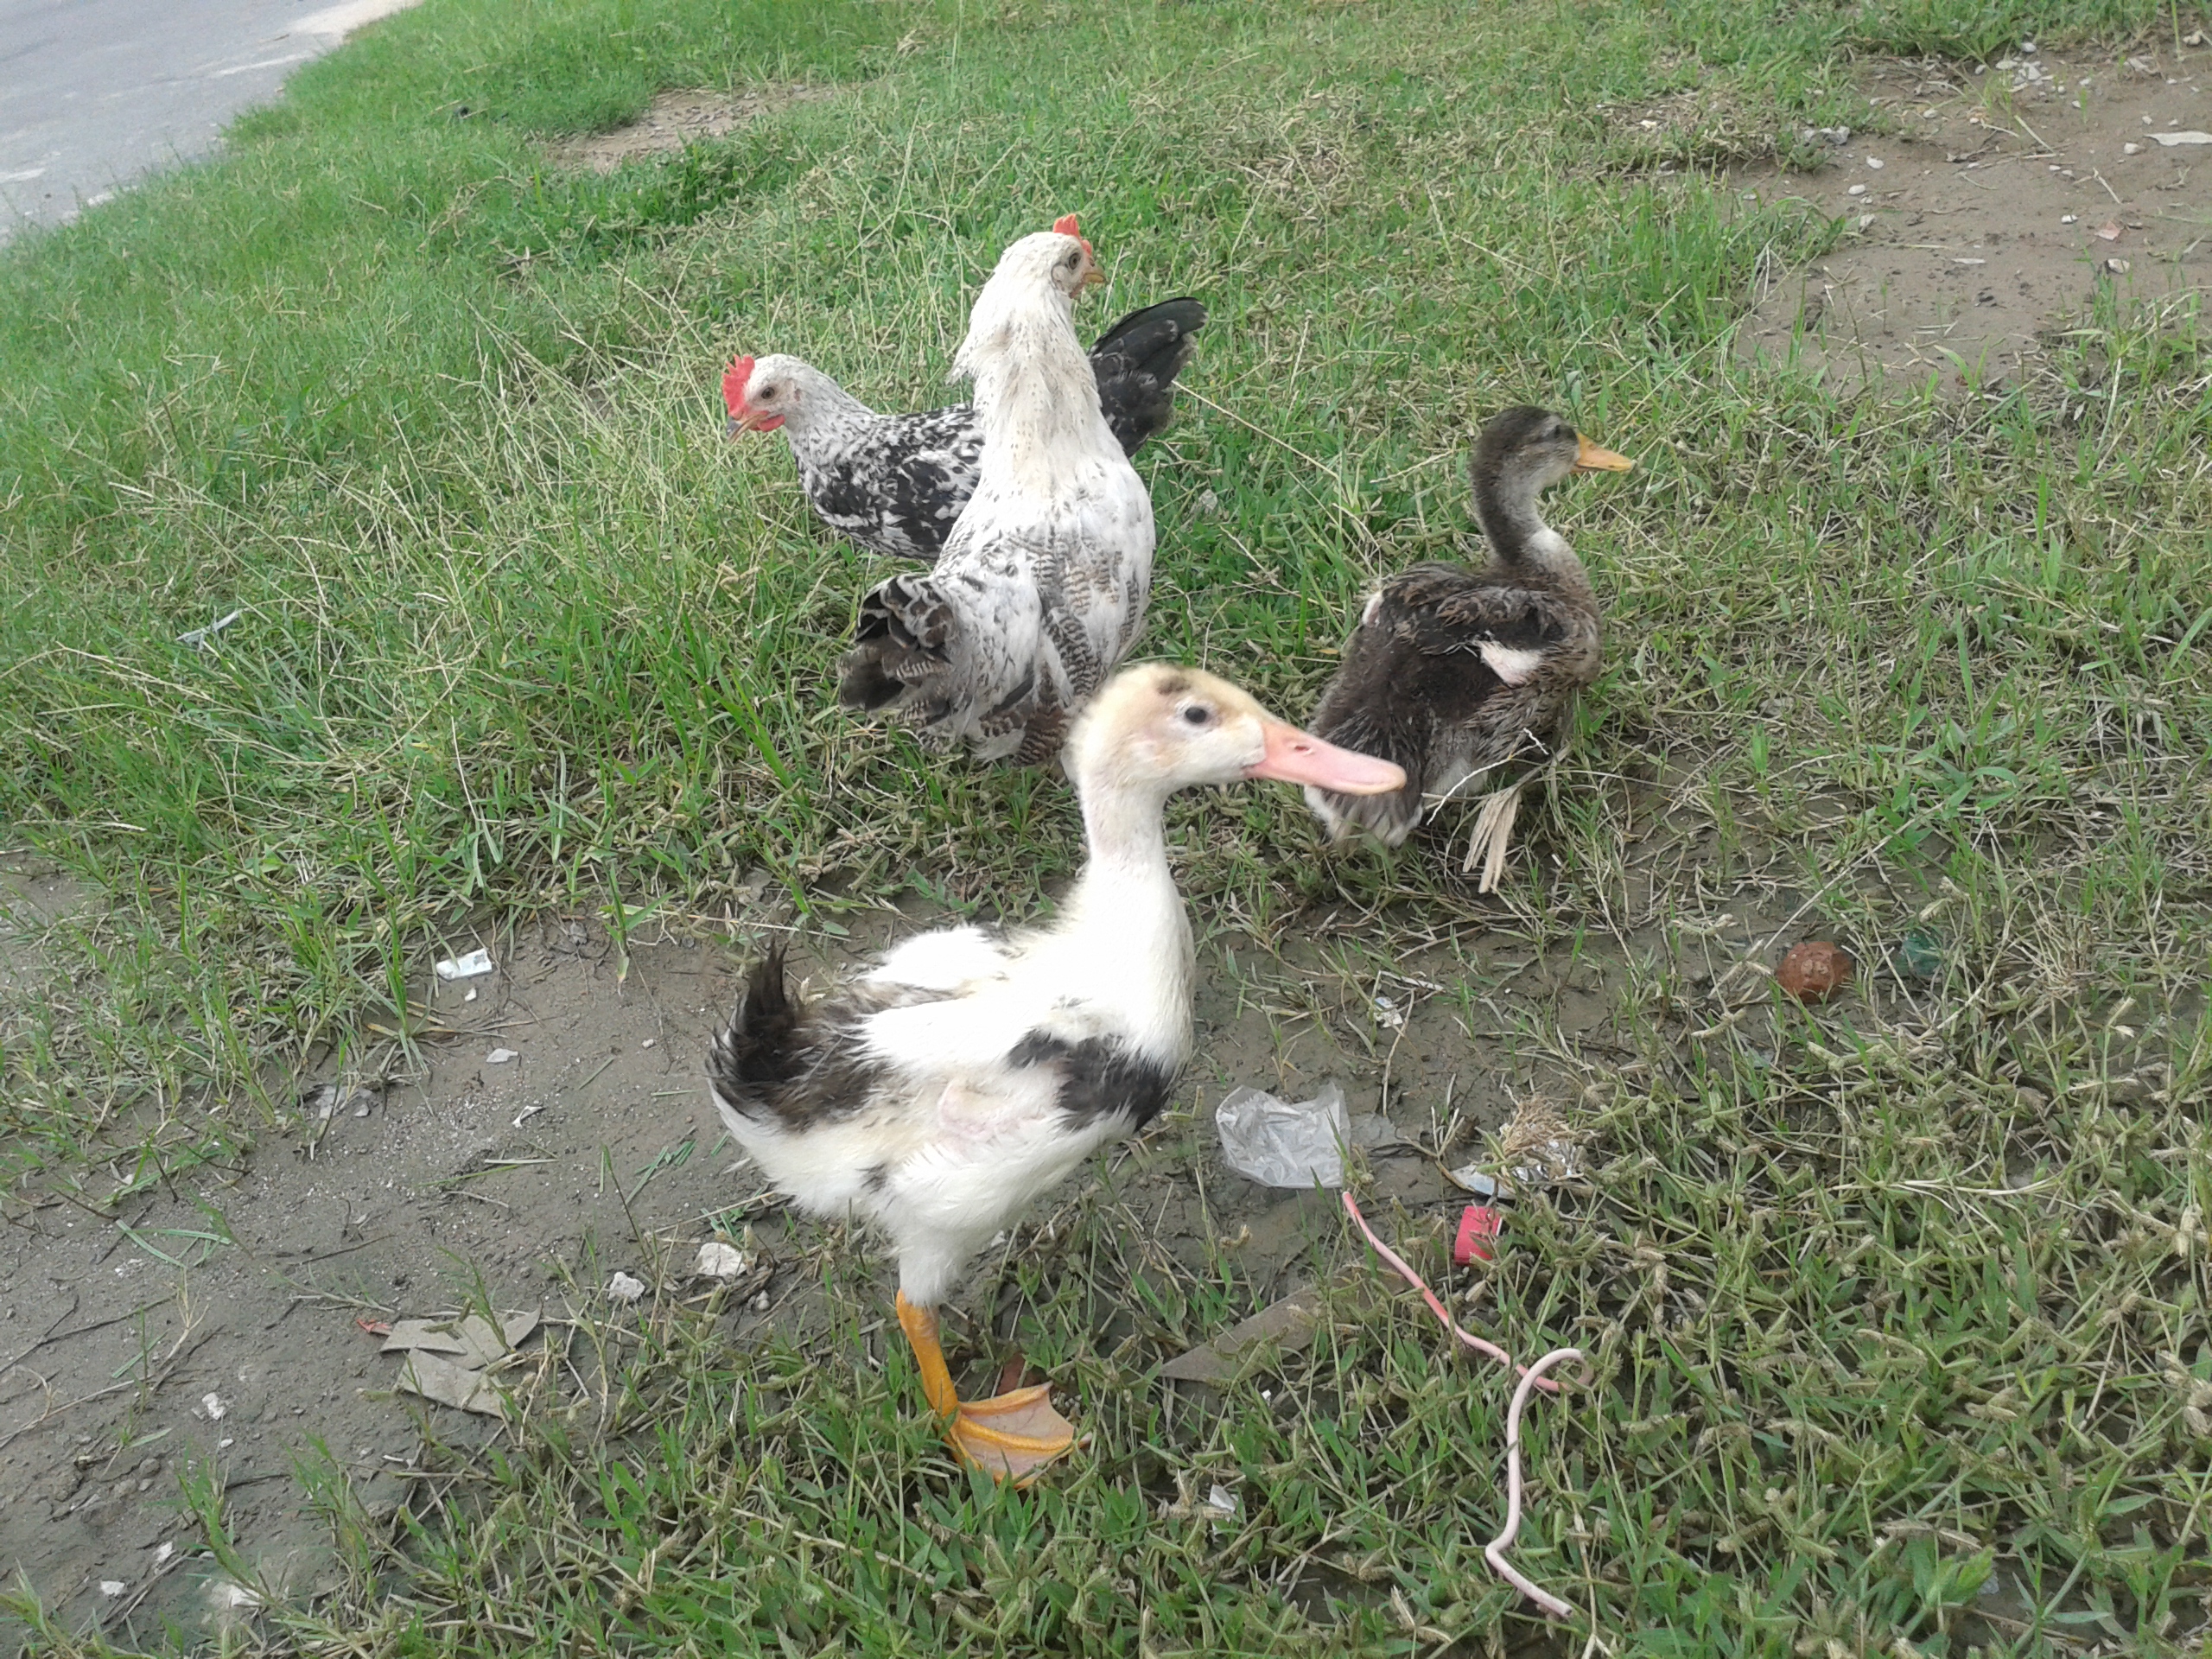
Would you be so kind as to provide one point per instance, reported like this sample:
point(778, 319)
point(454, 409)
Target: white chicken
point(1042, 587)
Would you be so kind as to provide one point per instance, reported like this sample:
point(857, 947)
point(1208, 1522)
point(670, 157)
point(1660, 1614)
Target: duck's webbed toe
point(1010, 1436)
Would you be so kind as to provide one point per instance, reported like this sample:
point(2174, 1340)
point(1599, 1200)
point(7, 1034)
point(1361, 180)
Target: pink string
point(1435, 1306)
point(1532, 1377)
point(1494, 1551)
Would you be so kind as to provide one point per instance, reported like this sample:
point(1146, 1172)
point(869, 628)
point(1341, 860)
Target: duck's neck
point(1519, 537)
point(1123, 923)
point(1126, 831)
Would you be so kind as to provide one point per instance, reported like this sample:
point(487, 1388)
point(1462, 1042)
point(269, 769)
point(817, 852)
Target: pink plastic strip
point(1494, 1551)
point(1435, 1306)
point(1532, 1377)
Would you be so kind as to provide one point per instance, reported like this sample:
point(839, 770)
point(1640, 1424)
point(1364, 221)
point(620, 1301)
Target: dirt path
point(2008, 201)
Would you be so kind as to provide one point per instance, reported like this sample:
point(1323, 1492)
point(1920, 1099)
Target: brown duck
point(1452, 672)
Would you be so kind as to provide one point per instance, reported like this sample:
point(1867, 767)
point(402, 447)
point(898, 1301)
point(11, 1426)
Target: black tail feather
point(759, 1047)
point(1136, 362)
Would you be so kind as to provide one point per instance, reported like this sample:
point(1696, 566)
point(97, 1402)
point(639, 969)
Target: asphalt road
point(96, 93)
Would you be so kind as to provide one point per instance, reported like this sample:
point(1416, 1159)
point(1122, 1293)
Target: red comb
point(734, 379)
point(1065, 225)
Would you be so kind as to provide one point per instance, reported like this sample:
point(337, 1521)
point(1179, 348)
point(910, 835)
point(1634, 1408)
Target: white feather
point(1514, 666)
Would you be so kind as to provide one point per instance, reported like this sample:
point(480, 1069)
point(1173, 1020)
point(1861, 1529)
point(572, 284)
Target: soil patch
point(552, 1130)
point(676, 119)
point(2002, 205)
point(34, 895)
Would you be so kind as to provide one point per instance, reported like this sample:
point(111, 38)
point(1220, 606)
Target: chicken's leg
point(1012, 1436)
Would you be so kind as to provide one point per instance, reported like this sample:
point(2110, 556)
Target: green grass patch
point(518, 628)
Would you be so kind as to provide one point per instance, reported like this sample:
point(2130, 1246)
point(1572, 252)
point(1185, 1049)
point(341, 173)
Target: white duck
point(1042, 586)
point(941, 1092)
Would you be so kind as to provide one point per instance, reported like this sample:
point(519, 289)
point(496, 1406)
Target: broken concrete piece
point(623, 1289)
point(1288, 1324)
point(450, 1385)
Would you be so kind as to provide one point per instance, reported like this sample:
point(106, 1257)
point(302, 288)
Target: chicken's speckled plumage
point(895, 484)
point(1042, 587)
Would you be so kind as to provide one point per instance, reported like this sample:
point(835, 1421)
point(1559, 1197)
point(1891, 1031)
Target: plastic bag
point(1285, 1143)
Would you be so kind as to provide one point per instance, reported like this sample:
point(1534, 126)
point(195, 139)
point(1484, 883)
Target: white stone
point(719, 1260)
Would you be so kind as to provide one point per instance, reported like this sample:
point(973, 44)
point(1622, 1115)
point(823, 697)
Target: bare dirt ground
point(2002, 205)
point(675, 120)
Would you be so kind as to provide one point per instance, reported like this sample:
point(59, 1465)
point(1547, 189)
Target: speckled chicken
point(1042, 588)
point(895, 483)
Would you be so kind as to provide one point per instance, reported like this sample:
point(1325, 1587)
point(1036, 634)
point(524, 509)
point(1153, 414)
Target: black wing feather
point(1136, 362)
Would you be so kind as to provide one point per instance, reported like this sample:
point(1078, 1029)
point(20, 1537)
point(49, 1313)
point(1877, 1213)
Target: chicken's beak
point(1092, 275)
point(1596, 458)
point(1296, 757)
point(754, 420)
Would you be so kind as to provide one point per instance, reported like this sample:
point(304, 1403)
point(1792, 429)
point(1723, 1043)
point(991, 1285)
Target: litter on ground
point(1288, 1325)
point(1532, 1377)
point(719, 1260)
point(1284, 1143)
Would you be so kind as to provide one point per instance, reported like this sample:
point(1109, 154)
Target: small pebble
point(2131, 149)
point(2069, 218)
point(1814, 971)
point(2118, 267)
point(649, 1042)
point(499, 1056)
point(623, 1289)
point(719, 1260)
point(1874, 161)
point(1858, 190)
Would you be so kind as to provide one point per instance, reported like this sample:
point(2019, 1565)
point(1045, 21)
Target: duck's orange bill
point(1296, 757)
point(1596, 458)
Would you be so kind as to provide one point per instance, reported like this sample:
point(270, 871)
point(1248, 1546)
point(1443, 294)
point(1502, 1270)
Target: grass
point(1890, 1301)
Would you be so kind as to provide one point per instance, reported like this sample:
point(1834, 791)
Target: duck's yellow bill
point(1596, 458)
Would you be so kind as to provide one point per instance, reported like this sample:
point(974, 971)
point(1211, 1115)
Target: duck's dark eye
point(1197, 713)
